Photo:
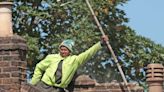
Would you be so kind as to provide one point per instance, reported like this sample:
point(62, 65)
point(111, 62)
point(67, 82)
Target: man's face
point(64, 52)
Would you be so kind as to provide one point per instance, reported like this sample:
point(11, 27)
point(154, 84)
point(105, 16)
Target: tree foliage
point(45, 23)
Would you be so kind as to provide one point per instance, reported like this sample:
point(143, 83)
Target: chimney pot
point(6, 19)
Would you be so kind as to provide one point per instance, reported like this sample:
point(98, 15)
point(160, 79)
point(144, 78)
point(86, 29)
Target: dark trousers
point(46, 88)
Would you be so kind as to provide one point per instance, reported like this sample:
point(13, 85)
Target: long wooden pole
point(109, 46)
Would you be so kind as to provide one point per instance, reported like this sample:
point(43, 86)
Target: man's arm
point(83, 57)
point(39, 70)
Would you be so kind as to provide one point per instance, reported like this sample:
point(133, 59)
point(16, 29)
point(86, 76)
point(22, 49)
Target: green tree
point(45, 23)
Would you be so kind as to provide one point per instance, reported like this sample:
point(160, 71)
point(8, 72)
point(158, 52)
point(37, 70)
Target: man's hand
point(104, 39)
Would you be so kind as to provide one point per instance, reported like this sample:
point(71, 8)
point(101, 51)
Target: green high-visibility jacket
point(69, 67)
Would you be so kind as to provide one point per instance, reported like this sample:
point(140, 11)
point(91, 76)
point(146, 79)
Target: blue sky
point(147, 18)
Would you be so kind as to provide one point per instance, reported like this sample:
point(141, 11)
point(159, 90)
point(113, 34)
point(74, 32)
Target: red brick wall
point(85, 84)
point(12, 60)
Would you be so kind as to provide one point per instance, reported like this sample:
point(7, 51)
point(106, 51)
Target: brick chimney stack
point(12, 53)
point(5, 19)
